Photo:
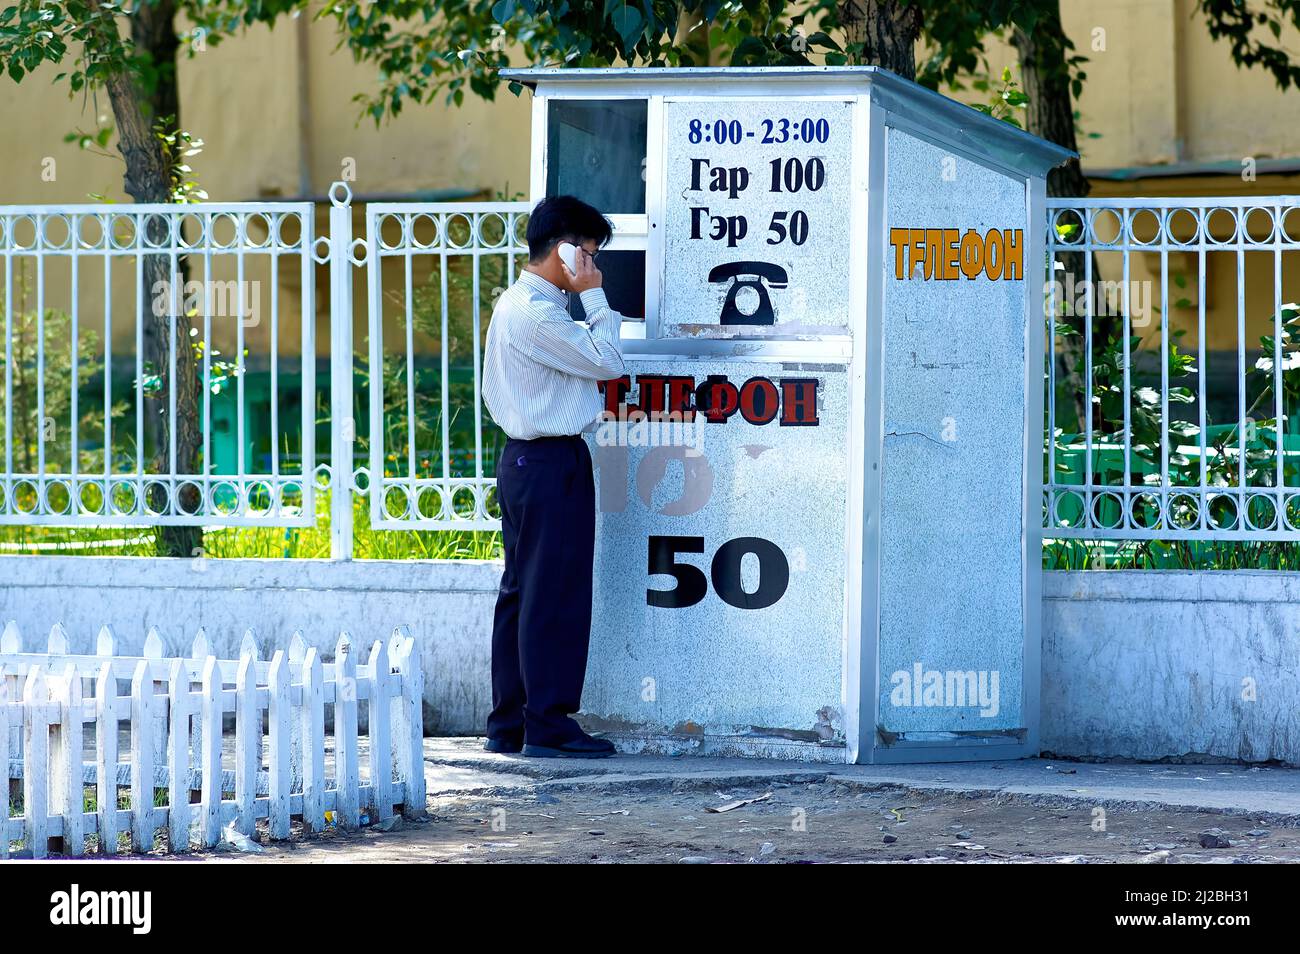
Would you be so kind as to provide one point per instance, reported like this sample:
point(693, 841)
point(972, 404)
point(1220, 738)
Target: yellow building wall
point(1159, 91)
point(242, 98)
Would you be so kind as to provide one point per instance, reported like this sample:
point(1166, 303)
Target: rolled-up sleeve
point(561, 343)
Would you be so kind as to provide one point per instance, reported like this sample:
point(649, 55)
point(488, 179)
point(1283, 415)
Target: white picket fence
point(176, 708)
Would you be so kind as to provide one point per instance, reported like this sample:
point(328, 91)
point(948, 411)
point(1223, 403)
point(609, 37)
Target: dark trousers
point(542, 623)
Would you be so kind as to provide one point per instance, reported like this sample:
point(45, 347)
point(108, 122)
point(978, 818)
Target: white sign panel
point(757, 217)
point(720, 563)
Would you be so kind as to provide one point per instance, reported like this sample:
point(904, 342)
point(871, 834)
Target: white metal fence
point(83, 284)
point(57, 708)
point(467, 255)
point(1173, 367)
point(133, 300)
point(1150, 436)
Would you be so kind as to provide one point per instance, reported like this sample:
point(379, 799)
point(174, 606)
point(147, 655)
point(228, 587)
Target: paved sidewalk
point(460, 766)
point(642, 808)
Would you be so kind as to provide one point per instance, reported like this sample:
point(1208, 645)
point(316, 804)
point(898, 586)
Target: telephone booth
point(819, 487)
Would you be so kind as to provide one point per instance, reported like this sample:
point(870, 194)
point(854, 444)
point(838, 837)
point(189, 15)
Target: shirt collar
point(545, 288)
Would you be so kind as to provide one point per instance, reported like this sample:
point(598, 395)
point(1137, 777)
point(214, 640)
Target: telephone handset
point(569, 256)
point(762, 272)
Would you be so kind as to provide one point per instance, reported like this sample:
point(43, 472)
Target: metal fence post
point(343, 429)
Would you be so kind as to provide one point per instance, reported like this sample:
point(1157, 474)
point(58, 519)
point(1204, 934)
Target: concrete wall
point(448, 606)
point(1145, 665)
point(1141, 665)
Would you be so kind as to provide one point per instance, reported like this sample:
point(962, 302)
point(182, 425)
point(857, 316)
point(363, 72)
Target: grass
point(90, 803)
point(263, 542)
point(1174, 555)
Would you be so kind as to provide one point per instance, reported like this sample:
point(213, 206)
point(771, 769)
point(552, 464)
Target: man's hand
point(587, 276)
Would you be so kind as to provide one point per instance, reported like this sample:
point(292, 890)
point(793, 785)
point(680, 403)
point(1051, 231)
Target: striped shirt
point(541, 367)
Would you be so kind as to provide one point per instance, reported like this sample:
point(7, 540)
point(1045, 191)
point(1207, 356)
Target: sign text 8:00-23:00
point(724, 131)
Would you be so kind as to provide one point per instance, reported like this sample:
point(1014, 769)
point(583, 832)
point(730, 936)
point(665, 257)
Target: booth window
point(596, 150)
point(623, 274)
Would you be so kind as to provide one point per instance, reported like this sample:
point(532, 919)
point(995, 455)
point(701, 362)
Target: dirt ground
point(812, 822)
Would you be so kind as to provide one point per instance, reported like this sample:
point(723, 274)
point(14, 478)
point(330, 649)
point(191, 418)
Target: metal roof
point(945, 118)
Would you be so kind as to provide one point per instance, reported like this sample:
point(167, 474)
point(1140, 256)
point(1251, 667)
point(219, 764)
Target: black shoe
point(583, 747)
point(503, 746)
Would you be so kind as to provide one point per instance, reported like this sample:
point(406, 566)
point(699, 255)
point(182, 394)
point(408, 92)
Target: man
point(539, 384)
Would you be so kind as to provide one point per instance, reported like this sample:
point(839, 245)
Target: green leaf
point(503, 10)
point(628, 22)
point(822, 39)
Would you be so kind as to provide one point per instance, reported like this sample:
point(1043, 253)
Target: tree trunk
point(147, 180)
point(1045, 77)
point(884, 31)
point(153, 30)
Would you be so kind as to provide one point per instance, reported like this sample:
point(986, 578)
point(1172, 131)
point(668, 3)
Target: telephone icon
point(753, 275)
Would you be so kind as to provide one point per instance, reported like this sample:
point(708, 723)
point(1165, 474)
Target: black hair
point(558, 218)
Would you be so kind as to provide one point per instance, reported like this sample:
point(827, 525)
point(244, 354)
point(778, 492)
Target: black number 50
point(692, 585)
